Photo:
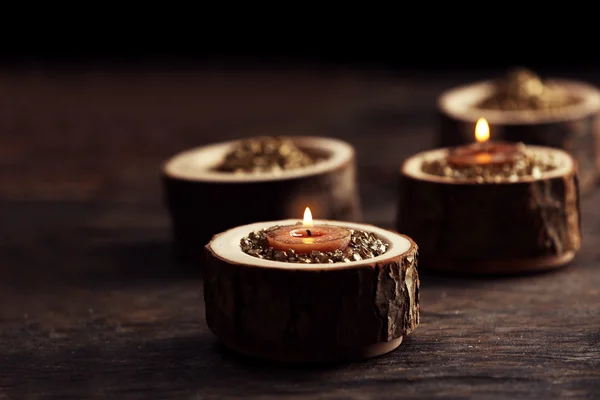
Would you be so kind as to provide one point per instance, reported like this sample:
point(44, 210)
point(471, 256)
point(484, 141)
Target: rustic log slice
point(202, 201)
point(574, 128)
point(491, 228)
point(296, 312)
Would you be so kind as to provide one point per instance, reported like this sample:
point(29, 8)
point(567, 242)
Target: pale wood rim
point(226, 246)
point(197, 164)
point(412, 167)
point(459, 103)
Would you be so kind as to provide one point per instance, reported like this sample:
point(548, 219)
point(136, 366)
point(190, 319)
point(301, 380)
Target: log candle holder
point(524, 113)
point(297, 312)
point(202, 201)
point(529, 224)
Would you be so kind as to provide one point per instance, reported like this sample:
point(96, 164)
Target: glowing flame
point(482, 131)
point(308, 221)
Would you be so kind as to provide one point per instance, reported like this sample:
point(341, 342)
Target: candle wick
point(308, 232)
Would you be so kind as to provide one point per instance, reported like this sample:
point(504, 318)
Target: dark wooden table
point(93, 306)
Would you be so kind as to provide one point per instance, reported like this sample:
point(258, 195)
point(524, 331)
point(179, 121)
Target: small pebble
point(267, 154)
point(533, 164)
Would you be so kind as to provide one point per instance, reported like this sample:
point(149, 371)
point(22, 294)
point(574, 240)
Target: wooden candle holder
point(491, 228)
point(202, 201)
point(296, 312)
point(574, 128)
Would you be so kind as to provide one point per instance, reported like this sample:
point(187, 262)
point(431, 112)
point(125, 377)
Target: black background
point(435, 58)
point(414, 37)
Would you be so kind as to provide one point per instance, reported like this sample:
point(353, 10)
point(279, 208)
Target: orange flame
point(308, 220)
point(482, 131)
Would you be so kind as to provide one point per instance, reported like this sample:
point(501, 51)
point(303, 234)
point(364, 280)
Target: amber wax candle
point(483, 152)
point(308, 238)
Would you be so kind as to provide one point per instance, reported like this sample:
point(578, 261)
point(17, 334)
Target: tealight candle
point(309, 238)
point(484, 153)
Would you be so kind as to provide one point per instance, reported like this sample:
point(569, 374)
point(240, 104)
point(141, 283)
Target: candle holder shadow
point(311, 313)
point(202, 201)
point(574, 128)
point(529, 225)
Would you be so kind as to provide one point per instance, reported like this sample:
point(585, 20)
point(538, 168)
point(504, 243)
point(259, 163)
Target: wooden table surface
point(92, 304)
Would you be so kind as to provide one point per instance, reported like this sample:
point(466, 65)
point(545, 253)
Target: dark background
point(419, 57)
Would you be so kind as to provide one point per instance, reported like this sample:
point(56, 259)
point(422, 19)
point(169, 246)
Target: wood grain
point(93, 306)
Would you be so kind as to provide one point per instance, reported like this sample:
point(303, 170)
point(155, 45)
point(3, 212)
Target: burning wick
point(482, 135)
point(306, 223)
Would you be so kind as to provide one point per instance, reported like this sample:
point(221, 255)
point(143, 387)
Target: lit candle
point(483, 152)
point(309, 237)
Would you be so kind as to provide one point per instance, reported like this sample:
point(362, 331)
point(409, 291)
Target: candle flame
point(308, 220)
point(482, 130)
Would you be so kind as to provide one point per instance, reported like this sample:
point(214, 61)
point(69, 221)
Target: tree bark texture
point(292, 314)
point(464, 226)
